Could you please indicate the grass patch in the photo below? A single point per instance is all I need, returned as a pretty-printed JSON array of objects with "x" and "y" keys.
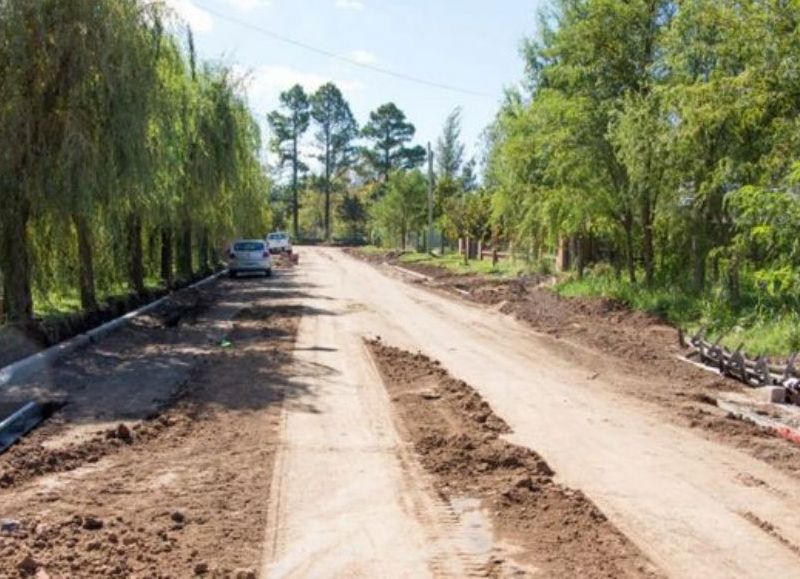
[
  {"x": 455, "y": 263},
  {"x": 774, "y": 331},
  {"x": 370, "y": 249},
  {"x": 56, "y": 305}
]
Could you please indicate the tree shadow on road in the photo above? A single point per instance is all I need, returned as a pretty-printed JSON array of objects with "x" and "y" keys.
[{"x": 237, "y": 355}]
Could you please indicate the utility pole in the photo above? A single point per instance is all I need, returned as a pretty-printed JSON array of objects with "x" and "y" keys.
[{"x": 429, "y": 244}]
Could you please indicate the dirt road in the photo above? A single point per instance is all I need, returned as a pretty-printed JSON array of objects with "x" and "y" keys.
[
  {"x": 299, "y": 448},
  {"x": 696, "y": 508}
]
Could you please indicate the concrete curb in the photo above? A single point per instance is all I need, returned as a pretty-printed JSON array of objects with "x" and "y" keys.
[
  {"x": 19, "y": 423},
  {"x": 27, "y": 367},
  {"x": 411, "y": 272},
  {"x": 777, "y": 428}
]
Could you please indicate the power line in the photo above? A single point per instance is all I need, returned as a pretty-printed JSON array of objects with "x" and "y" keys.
[{"x": 351, "y": 61}]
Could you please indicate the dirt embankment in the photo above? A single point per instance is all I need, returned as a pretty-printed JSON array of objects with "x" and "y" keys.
[
  {"x": 457, "y": 438},
  {"x": 643, "y": 346},
  {"x": 177, "y": 494}
]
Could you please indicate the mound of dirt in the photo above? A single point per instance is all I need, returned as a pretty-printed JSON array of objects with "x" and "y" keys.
[
  {"x": 29, "y": 458},
  {"x": 457, "y": 438}
]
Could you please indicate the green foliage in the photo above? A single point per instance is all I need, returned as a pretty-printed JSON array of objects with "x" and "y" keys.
[
  {"x": 455, "y": 263},
  {"x": 449, "y": 148},
  {"x": 467, "y": 215},
  {"x": 352, "y": 213},
  {"x": 389, "y": 132},
  {"x": 660, "y": 137},
  {"x": 402, "y": 210},
  {"x": 287, "y": 129},
  {"x": 113, "y": 138},
  {"x": 336, "y": 130}
]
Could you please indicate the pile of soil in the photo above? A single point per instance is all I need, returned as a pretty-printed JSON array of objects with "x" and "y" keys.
[
  {"x": 457, "y": 438},
  {"x": 177, "y": 494},
  {"x": 30, "y": 458}
]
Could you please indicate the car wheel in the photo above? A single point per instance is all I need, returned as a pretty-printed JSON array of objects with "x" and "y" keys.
[
  {"x": 268, "y": 272},
  {"x": 232, "y": 274}
]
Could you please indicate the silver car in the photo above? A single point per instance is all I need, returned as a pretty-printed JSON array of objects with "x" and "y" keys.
[{"x": 249, "y": 256}]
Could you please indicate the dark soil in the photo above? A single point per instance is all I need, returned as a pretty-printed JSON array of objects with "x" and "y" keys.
[{"x": 457, "y": 438}]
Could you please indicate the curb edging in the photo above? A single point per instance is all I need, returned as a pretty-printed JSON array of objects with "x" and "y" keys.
[{"x": 27, "y": 367}]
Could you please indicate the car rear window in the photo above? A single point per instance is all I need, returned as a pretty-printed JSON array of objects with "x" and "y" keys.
[
  {"x": 277, "y": 236},
  {"x": 248, "y": 246}
]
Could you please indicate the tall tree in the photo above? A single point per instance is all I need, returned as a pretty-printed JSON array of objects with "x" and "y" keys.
[
  {"x": 449, "y": 148},
  {"x": 580, "y": 73},
  {"x": 389, "y": 132},
  {"x": 288, "y": 128},
  {"x": 403, "y": 208},
  {"x": 107, "y": 142},
  {"x": 353, "y": 214},
  {"x": 336, "y": 131}
]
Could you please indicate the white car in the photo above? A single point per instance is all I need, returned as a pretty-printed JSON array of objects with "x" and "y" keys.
[
  {"x": 279, "y": 242},
  {"x": 249, "y": 256}
]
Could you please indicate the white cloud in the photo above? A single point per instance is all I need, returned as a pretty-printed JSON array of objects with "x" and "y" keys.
[
  {"x": 245, "y": 5},
  {"x": 265, "y": 82},
  {"x": 362, "y": 57},
  {"x": 194, "y": 16},
  {"x": 350, "y": 4}
]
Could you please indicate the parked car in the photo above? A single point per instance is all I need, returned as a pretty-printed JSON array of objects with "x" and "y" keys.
[
  {"x": 249, "y": 256},
  {"x": 279, "y": 242}
]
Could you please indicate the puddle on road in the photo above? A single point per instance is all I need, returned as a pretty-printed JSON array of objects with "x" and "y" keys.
[
  {"x": 475, "y": 527},
  {"x": 476, "y": 540}
]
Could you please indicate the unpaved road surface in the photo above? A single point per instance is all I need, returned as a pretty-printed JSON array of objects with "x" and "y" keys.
[
  {"x": 696, "y": 508},
  {"x": 461, "y": 443},
  {"x": 160, "y": 464}
]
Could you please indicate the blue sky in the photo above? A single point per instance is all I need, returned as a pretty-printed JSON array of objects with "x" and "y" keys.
[{"x": 471, "y": 44}]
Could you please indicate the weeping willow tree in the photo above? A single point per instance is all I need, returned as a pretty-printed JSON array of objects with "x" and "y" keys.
[{"x": 113, "y": 138}]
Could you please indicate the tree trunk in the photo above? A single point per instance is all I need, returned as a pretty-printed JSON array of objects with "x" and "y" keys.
[
  {"x": 295, "y": 204},
  {"x": 166, "y": 256},
  {"x": 328, "y": 211},
  {"x": 647, "y": 241},
  {"x": 85, "y": 262},
  {"x": 185, "y": 250},
  {"x": 563, "y": 254},
  {"x": 15, "y": 263},
  {"x": 580, "y": 255},
  {"x": 328, "y": 193},
  {"x": 733, "y": 282},
  {"x": 630, "y": 259},
  {"x": 698, "y": 261},
  {"x": 202, "y": 251},
  {"x": 135, "y": 255}
]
